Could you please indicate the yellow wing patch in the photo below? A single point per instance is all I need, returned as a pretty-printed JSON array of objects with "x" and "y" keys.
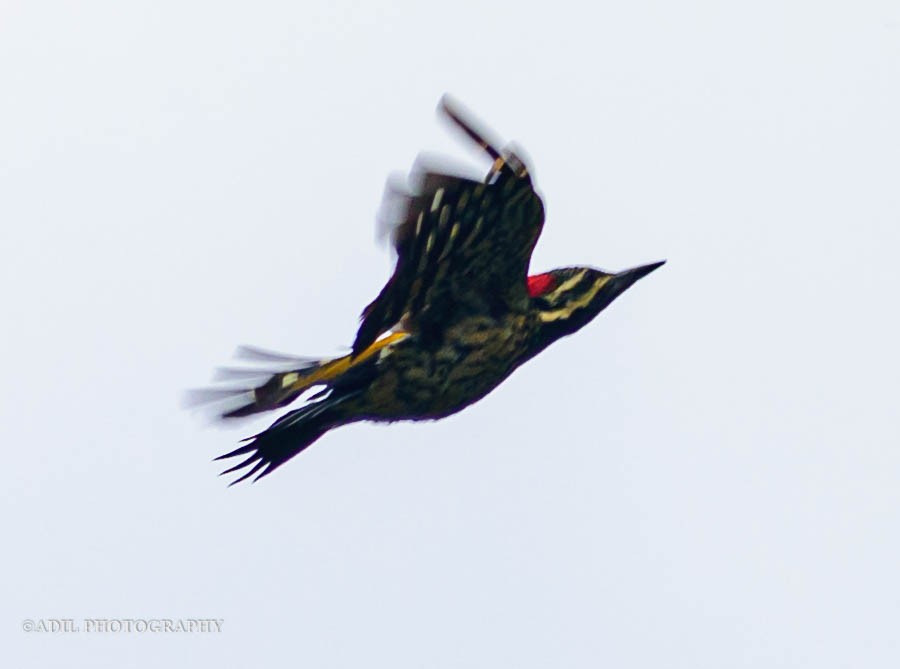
[{"x": 295, "y": 383}]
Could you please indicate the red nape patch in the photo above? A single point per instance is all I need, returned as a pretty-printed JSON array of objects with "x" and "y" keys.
[{"x": 540, "y": 284}]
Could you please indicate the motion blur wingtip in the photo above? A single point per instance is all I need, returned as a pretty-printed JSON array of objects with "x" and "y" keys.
[{"x": 462, "y": 120}]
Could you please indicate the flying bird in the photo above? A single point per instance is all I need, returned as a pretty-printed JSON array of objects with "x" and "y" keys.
[{"x": 459, "y": 314}]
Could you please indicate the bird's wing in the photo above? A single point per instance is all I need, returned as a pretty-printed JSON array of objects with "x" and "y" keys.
[
  {"x": 462, "y": 246},
  {"x": 264, "y": 389}
]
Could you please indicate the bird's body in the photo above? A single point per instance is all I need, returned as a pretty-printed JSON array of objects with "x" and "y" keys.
[{"x": 457, "y": 317}]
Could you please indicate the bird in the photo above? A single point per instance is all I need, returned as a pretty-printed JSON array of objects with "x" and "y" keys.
[{"x": 459, "y": 314}]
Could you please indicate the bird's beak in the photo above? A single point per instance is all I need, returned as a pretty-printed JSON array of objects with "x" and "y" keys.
[{"x": 622, "y": 281}]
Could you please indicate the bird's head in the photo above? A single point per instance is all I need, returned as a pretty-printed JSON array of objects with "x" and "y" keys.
[{"x": 565, "y": 300}]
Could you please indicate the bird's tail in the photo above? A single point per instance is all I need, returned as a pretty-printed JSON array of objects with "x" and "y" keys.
[
  {"x": 284, "y": 380},
  {"x": 286, "y": 437}
]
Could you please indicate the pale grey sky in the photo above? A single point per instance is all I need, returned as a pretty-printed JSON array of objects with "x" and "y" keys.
[{"x": 706, "y": 476}]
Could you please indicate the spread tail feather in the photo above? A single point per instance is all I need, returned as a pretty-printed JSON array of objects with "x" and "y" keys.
[{"x": 286, "y": 437}]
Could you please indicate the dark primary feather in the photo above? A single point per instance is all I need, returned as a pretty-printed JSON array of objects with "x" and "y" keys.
[{"x": 464, "y": 121}]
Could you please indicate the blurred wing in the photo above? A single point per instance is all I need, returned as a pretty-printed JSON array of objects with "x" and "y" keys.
[
  {"x": 462, "y": 245},
  {"x": 264, "y": 389}
]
